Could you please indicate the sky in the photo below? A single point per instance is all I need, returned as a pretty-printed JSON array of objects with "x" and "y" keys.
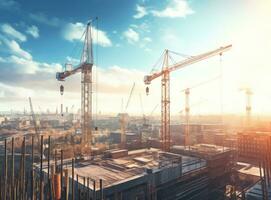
[{"x": 37, "y": 38}]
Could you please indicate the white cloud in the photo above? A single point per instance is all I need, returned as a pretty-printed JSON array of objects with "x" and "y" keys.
[
  {"x": 73, "y": 61},
  {"x": 114, "y": 83},
  {"x": 141, "y": 12},
  {"x": 27, "y": 78},
  {"x": 11, "y": 32},
  {"x": 142, "y": 28},
  {"x": 147, "y": 50},
  {"x": 147, "y": 39},
  {"x": 8, "y": 4},
  {"x": 176, "y": 8},
  {"x": 144, "y": 42},
  {"x": 37, "y": 80},
  {"x": 74, "y": 31},
  {"x": 171, "y": 40},
  {"x": 134, "y": 37},
  {"x": 131, "y": 35},
  {"x": 15, "y": 48},
  {"x": 33, "y": 30},
  {"x": 28, "y": 66},
  {"x": 44, "y": 19},
  {"x": 15, "y": 93}
]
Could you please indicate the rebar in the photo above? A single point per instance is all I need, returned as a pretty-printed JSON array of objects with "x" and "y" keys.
[
  {"x": 101, "y": 189},
  {"x": 48, "y": 164},
  {"x": 94, "y": 190},
  {"x": 56, "y": 169},
  {"x": 73, "y": 179},
  {"x": 23, "y": 170},
  {"x": 5, "y": 171},
  {"x": 32, "y": 169},
  {"x": 61, "y": 168},
  {"x": 12, "y": 167},
  {"x": 88, "y": 188},
  {"x": 41, "y": 174}
]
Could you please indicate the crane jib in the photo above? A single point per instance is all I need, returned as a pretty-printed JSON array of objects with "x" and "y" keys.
[{"x": 186, "y": 62}]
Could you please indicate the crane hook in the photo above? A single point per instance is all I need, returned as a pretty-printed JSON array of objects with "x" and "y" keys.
[
  {"x": 147, "y": 90},
  {"x": 61, "y": 89}
]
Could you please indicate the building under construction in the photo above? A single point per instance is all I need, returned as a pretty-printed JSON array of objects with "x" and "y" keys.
[
  {"x": 140, "y": 174},
  {"x": 148, "y": 174}
]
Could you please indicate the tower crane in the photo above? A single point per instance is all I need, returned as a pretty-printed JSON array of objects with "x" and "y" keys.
[
  {"x": 187, "y": 109},
  {"x": 123, "y": 119},
  {"x": 146, "y": 117},
  {"x": 34, "y": 119},
  {"x": 248, "y": 93},
  {"x": 72, "y": 109},
  {"x": 165, "y": 86},
  {"x": 85, "y": 67},
  {"x": 154, "y": 108},
  {"x": 142, "y": 111}
]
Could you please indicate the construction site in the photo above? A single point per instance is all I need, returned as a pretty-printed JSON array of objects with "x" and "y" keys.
[{"x": 70, "y": 155}]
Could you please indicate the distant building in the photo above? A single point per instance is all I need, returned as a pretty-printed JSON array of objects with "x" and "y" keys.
[
  {"x": 114, "y": 137},
  {"x": 198, "y": 133},
  {"x": 133, "y": 140},
  {"x": 252, "y": 145},
  {"x": 2, "y": 119}
]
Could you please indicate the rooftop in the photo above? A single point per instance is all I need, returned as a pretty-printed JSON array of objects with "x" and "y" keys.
[
  {"x": 248, "y": 169},
  {"x": 206, "y": 149},
  {"x": 114, "y": 171}
]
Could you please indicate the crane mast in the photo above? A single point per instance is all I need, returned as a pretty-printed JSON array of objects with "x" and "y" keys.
[
  {"x": 144, "y": 120},
  {"x": 123, "y": 119},
  {"x": 187, "y": 109},
  {"x": 165, "y": 87},
  {"x": 85, "y": 67},
  {"x": 187, "y": 118},
  {"x": 86, "y": 87},
  {"x": 248, "y": 93},
  {"x": 34, "y": 118},
  {"x": 165, "y": 105}
]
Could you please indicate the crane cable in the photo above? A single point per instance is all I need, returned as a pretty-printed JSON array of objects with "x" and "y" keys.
[
  {"x": 221, "y": 87},
  {"x": 130, "y": 96},
  {"x": 156, "y": 64},
  {"x": 96, "y": 85},
  {"x": 181, "y": 54},
  {"x": 159, "y": 61},
  {"x": 142, "y": 108},
  {"x": 76, "y": 47},
  {"x": 221, "y": 96}
]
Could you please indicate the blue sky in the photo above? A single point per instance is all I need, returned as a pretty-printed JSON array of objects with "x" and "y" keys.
[
  {"x": 38, "y": 37},
  {"x": 115, "y": 17}
]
